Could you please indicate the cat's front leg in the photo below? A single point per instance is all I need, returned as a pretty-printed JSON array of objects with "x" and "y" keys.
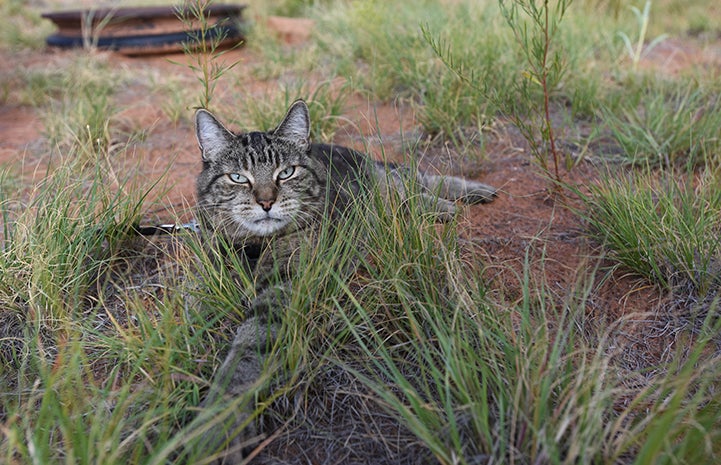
[
  {"x": 235, "y": 384},
  {"x": 239, "y": 377}
]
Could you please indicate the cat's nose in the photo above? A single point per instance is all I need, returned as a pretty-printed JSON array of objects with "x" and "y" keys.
[
  {"x": 266, "y": 205},
  {"x": 265, "y": 196}
]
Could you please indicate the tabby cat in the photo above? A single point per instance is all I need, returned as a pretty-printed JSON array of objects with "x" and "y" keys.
[{"x": 263, "y": 194}]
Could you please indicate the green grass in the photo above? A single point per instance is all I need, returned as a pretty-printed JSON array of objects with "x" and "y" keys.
[
  {"x": 325, "y": 102},
  {"x": 20, "y": 27},
  {"x": 398, "y": 60},
  {"x": 664, "y": 227},
  {"x": 471, "y": 377},
  {"x": 387, "y": 38},
  {"x": 521, "y": 384},
  {"x": 77, "y": 104},
  {"x": 399, "y": 349},
  {"x": 100, "y": 362},
  {"x": 666, "y": 123}
]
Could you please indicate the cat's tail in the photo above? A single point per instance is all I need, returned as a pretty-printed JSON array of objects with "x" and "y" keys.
[{"x": 457, "y": 189}]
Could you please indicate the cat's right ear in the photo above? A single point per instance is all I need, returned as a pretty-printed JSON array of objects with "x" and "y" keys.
[
  {"x": 213, "y": 137},
  {"x": 296, "y": 124}
]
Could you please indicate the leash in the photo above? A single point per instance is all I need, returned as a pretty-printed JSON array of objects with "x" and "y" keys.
[
  {"x": 168, "y": 228},
  {"x": 251, "y": 252}
]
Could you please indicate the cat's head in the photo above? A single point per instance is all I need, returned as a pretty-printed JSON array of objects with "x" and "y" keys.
[{"x": 258, "y": 184}]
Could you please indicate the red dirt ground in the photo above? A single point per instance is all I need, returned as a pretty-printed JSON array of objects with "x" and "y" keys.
[{"x": 525, "y": 214}]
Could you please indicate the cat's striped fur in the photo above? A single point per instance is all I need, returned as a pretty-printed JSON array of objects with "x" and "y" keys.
[{"x": 261, "y": 191}]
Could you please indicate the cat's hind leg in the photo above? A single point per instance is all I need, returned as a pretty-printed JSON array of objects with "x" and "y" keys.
[{"x": 454, "y": 188}]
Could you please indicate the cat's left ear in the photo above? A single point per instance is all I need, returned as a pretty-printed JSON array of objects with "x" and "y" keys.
[
  {"x": 296, "y": 124},
  {"x": 212, "y": 136}
]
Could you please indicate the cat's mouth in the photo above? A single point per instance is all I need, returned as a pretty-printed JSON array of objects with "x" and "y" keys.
[
  {"x": 269, "y": 220},
  {"x": 268, "y": 225}
]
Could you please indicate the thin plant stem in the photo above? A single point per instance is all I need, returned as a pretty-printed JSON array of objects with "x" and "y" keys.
[{"x": 546, "y": 104}]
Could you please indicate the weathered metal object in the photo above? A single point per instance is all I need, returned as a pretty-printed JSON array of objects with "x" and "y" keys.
[{"x": 146, "y": 30}]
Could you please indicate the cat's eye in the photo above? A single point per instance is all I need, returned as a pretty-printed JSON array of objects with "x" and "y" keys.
[
  {"x": 286, "y": 173},
  {"x": 238, "y": 178}
]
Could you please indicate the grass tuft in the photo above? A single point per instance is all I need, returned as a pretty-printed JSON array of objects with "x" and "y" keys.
[
  {"x": 662, "y": 226},
  {"x": 22, "y": 27}
]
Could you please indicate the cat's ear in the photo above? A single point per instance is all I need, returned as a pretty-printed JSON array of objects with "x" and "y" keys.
[
  {"x": 296, "y": 124},
  {"x": 212, "y": 136}
]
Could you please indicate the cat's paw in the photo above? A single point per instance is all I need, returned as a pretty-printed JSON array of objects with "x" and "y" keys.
[
  {"x": 477, "y": 192},
  {"x": 271, "y": 301}
]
